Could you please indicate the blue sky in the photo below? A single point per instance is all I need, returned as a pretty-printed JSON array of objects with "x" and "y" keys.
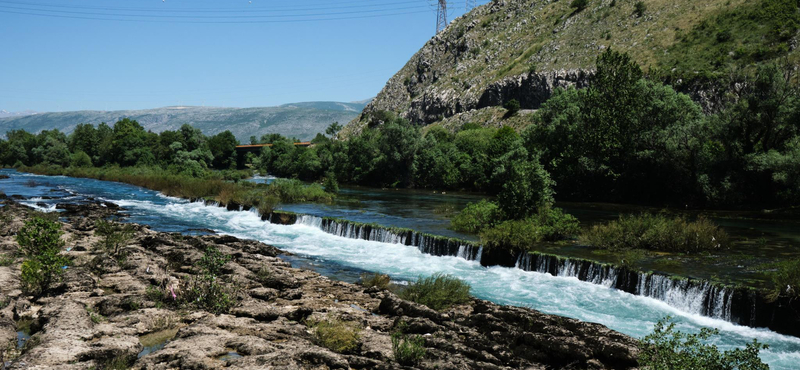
[{"x": 117, "y": 54}]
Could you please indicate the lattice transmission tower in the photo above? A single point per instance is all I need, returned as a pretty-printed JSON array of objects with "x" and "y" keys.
[
  {"x": 470, "y": 4},
  {"x": 441, "y": 16}
]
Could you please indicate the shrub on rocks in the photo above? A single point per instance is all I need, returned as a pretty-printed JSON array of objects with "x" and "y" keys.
[
  {"x": 408, "y": 350},
  {"x": 438, "y": 292},
  {"x": 377, "y": 280},
  {"x": 206, "y": 290},
  {"x": 336, "y": 335},
  {"x": 40, "y": 242}
]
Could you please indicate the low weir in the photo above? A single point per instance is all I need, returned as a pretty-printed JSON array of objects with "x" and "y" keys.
[{"x": 738, "y": 305}]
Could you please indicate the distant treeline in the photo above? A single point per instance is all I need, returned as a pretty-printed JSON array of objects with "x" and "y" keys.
[
  {"x": 186, "y": 151},
  {"x": 623, "y": 139}
]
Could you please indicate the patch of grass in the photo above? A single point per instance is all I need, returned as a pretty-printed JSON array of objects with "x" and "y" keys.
[
  {"x": 338, "y": 336},
  {"x": 118, "y": 363},
  {"x": 94, "y": 316},
  {"x": 380, "y": 281},
  {"x": 752, "y": 32},
  {"x": 408, "y": 350},
  {"x": 6, "y": 260},
  {"x": 438, "y": 291},
  {"x": 656, "y": 233}
]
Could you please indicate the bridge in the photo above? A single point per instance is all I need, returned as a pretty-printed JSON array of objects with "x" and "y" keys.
[{"x": 256, "y": 148}]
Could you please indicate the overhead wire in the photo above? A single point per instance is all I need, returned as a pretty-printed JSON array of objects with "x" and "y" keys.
[{"x": 369, "y": 4}]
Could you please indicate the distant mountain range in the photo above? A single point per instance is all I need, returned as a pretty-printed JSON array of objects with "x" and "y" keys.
[
  {"x": 5, "y": 113},
  {"x": 300, "y": 120}
]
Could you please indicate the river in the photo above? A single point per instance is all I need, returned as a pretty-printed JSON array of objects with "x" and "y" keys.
[{"x": 345, "y": 259}]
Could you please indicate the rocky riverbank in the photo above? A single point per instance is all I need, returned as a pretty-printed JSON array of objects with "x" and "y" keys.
[{"x": 111, "y": 313}]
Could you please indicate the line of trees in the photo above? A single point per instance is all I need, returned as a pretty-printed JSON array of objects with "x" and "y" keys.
[
  {"x": 185, "y": 151},
  {"x": 623, "y": 139}
]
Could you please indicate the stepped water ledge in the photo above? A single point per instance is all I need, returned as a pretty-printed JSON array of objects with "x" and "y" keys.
[{"x": 735, "y": 304}]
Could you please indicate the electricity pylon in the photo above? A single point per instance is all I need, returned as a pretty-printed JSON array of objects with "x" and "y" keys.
[
  {"x": 470, "y": 4},
  {"x": 441, "y": 16}
]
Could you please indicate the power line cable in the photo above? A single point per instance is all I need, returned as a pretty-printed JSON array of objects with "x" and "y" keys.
[
  {"x": 207, "y": 16},
  {"x": 211, "y": 22}
]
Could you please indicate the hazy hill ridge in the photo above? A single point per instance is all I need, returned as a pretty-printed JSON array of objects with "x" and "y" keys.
[
  {"x": 301, "y": 120},
  {"x": 523, "y": 49}
]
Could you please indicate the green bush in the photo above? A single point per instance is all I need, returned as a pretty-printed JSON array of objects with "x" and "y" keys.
[
  {"x": 512, "y": 107},
  {"x": 330, "y": 184},
  {"x": 408, "y": 350},
  {"x": 40, "y": 242},
  {"x": 338, "y": 336},
  {"x": 80, "y": 159},
  {"x": 438, "y": 291},
  {"x": 657, "y": 233},
  {"x": 578, "y": 5},
  {"x": 206, "y": 290},
  {"x": 667, "y": 349},
  {"x": 113, "y": 237},
  {"x": 785, "y": 280},
  {"x": 293, "y": 191},
  {"x": 477, "y": 216},
  {"x": 549, "y": 224},
  {"x": 639, "y": 8},
  {"x": 380, "y": 281}
]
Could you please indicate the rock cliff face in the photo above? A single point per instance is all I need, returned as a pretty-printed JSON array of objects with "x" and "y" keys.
[
  {"x": 106, "y": 313},
  {"x": 481, "y": 60}
]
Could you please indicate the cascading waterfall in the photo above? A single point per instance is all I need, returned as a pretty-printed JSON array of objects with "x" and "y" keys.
[
  {"x": 428, "y": 244},
  {"x": 693, "y": 296}
]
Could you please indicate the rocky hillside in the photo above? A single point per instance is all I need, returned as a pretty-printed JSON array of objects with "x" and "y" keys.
[
  {"x": 112, "y": 313},
  {"x": 300, "y": 120},
  {"x": 522, "y": 49}
]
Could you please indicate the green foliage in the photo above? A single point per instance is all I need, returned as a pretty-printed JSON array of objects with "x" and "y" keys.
[
  {"x": 785, "y": 280},
  {"x": 114, "y": 237},
  {"x": 668, "y": 349},
  {"x": 520, "y": 235},
  {"x": 6, "y": 260},
  {"x": 657, "y": 233},
  {"x": 40, "y": 243},
  {"x": 80, "y": 159},
  {"x": 477, "y": 216},
  {"x": 206, "y": 290},
  {"x": 338, "y": 336},
  {"x": 578, "y": 5},
  {"x": 512, "y": 106},
  {"x": 526, "y": 185},
  {"x": 333, "y": 129},
  {"x": 639, "y": 8},
  {"x": 753, "y": 32},
  {"x": 380, "y": 281},
  {"x": 408, "y": 350},
  {"x": 330, "y": 184},
  {"x": 438, "y": 292}
]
